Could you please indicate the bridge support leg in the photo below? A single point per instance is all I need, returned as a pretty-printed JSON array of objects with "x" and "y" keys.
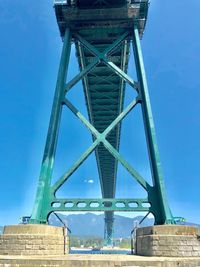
[
  {"x": 40, "y": 210},
  {"x": 158, "y": 196},
  {"x": 108, "y": 234}
]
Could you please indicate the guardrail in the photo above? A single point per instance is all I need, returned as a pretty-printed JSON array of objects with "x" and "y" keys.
[
  {"x": 133, "y": 233},
  {"x": 67, "y": 231}
]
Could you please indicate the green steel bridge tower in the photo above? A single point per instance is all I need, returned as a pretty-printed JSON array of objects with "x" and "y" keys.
[{"x": 103, "y": 32}]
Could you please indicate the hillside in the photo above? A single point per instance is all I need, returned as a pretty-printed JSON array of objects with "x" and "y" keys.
[{"x": 90, "y": 224}]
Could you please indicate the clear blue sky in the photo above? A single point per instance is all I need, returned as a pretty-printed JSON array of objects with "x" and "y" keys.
[{"x": 30, "y": 48}]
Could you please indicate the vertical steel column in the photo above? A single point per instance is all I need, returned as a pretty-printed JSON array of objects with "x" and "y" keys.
[
  {"x": 108, "y": 233},
  {"x": 158, "y": 196},
  {"x": 39, "y": 214}
]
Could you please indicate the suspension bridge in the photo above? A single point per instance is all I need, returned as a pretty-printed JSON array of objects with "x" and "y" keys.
[{"x": 103, "y": 32}]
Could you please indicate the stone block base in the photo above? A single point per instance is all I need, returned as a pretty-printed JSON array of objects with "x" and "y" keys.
[
  {"x": 168, "y": 241},
  {"x": 33, "y": 239}
]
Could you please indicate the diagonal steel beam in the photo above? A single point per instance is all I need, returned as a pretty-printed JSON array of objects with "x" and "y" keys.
[
  {"x": 115, "y": 44},
  {"x": 120, "y": 117},
  {"x": 101, "y": 56},
  {"x": 127, "y": 166},
  {"x": 104, "y": 54},
  {"x": 91, "y": 48},
  {"x": 79, "y": 76},
  {"x": 107, "y": 51},
  {"x": 121, "y": 73},
  {"x": 108, "y": 146},
  {"x": 99, "y": 79},
  {"x": 75, "y": 166},
  {"x": 78, "y": 114}
]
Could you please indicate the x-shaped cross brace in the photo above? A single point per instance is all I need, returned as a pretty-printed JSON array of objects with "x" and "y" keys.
[
  {"x": 101, "y": 57},
  {"x": 101, "y": 137}
]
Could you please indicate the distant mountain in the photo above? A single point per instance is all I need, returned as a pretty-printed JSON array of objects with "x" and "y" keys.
[{"x": 90, "y": 224}]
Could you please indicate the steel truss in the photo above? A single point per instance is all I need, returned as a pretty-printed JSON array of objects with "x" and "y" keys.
[{"x": 46, "y": 201}]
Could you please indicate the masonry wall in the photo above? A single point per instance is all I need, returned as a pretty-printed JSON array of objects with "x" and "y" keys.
[
  {"x": 168, "y": 240},
  {"x": 33, "y": 240}
]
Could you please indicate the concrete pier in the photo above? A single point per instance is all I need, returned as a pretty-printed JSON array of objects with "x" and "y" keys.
[
  {"x": 33, "y": 239},
  {"x": 43, "y": 246},
  {"x": 168, "y": 240}
]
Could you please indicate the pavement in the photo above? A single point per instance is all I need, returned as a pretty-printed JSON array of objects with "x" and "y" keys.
[{"x": 87, "y": 260}]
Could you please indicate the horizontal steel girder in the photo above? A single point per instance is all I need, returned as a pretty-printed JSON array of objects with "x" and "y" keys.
[
  {"x": 115, "y": 16},
  {"x": 104, "y": 204}
]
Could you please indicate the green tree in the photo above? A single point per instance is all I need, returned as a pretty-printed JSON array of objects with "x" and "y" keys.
[
  {"x": 75, "y": 241},
  {"x": 125, "y": 243}
]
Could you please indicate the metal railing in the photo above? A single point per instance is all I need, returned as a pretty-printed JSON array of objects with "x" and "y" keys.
[
  {"x": 25, "y": 219},
  {"x": 133, "y": 234},
  {"x": 67, "y": 231}
]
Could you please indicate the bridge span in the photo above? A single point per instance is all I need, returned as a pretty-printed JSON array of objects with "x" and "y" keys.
[{"x": 104, "y": 32}]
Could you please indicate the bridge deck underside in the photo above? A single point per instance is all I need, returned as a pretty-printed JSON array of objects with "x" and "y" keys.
[
  {"x": 104, "y": 94},
  {"x": 101, "y": 23}
]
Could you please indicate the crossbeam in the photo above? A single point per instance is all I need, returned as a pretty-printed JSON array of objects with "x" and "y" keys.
[{"x": 102, "y": 204}]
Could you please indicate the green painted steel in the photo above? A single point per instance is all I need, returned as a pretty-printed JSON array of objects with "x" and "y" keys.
[
  {"x": 103, "y": 32},
  {"x": 39, "y": 214},
  {"x": 103, "y": 204},
  {"x": 109, "y": 230},
  {"x": 162, "y": 214}
]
